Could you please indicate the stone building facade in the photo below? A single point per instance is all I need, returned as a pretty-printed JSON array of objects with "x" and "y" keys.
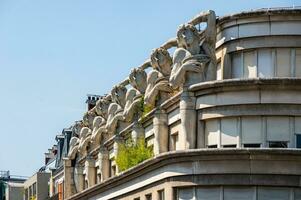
[{"x": 220, "y": 109}]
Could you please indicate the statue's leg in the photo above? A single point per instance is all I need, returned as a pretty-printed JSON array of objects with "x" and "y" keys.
[
  {"x": 187, "y": 138},
  {"x": 160, "y": 132}
]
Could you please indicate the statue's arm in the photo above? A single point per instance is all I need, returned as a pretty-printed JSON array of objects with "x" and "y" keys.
[
  {"x": 150, "y": 96},
  {"x": 177, "y": 72},
  {"x": 206, "y": 16}
]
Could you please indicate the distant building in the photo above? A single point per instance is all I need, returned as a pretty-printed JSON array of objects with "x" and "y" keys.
[
  {"x": 56, "y": 183},
  {"x": 91, "y": 100},
  {"x": 36, "y": 187},
  {"x": 11, "y": 187}
]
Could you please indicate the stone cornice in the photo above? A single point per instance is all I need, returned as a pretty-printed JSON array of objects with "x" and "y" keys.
[
  {"x": 259, "y": 13},
  {"x": 251, "y": 83}
]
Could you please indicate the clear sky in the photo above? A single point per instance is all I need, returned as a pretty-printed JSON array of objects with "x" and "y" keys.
[{"x": 54, "y": 52}]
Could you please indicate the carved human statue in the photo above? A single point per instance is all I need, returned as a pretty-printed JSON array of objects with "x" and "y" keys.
[
  {"x": 133, "y": 99},
  {"x": 85, "y": 138},
  {"x": 102, "y": 106},
  {"x": 99, "y": 130},
  {"x": 194, "y": 60},
  {"x": 115, "y": 114},
  {"x": 88, "y": 118},
  {"x": 73, "y": 149},
  {"x": 116, "y": 108},
  {"x": 137, "y": 79},
  {"x": 157, "y": 81},
  {"x": 118, "y": 94}
]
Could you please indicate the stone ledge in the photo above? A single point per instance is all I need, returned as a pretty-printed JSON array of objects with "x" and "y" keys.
[
  {"x": 236, "y": 84},
  {"x": 194, "y": 158}
]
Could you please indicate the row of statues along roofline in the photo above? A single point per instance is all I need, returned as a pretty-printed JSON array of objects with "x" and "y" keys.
[{"x": 193, "y": 61}]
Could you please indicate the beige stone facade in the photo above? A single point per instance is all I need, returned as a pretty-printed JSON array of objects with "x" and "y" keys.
[{"x": 222, "y": 115}]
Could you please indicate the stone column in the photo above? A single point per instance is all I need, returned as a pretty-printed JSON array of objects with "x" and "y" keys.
[
  {"x": 80, "y": 178},
  {"x": 104, "y": 163},
  {"x": 160, "y": 127},
  {"x": 137, "y": 132},
  {"x": 90, "y": 171},
  {"x": 117, "y": 141},
  {"x": 187, "y": 138},
  {"x": 69, "y": 187}
]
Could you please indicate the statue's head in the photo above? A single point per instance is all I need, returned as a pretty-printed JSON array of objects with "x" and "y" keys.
[
  {"x": 131, "y": 94},
  {"x": 102, "y": 105},
  {"x": 161, "y": 61},
  {"x": 137, "y": 79},
  {"x": 187, "y": 35},
  {"x": 98, "y": 121},
  {"x": 113, "y": 108},
  {"x": 118, "y": 95},
  {"x": 76, "y": 128},
  {"x": 88, "y": 118},
  {"x": 84, "y": 132}
]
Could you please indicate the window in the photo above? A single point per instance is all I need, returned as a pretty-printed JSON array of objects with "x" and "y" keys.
[
  {"x": 229, "y": 131},
  {"x": 26, "y": 194},
  {"x": 185, "y": 193},
  {"x": 98, "y": 177},
  {"x": 174, "y": 130},
  {"x": 283, "y": 62},
  {"x": 298, "y": 63},
  {"x": 239, "y": 193},
  {"x": 174, "y": 141},
  {"x": 161, "y": 195},
  {"x": 113, "y": 170},
  {"x": 148, "y": 197},
  {"x": 252, "y": 145},
  {"x": 236, "y": 65},
  {"x": 34, "y": 189},
  {"x": 61, "y": 191},
  {"x": 86, "y": 184},
  {"x": 298, "y": 141},
  {"x": 251, "y": 131},
  {"x": 278, "y": 129},
  {"x": 273, "y": 193},
  {"x": 265, "y": 63},
  {"x": 219, "y": 71},
  {"x": 229, "y": 146},
  {"x": 249, "y": 68},
  {"x": 212, "y": 133},
  {"x": 279, "y": 144}
]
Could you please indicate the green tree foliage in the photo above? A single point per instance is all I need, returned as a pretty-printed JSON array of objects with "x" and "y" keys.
[{"x": 131, "y": 154}]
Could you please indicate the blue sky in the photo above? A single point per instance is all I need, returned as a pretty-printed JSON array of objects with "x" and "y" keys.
[{"x": 54, "y": 52}]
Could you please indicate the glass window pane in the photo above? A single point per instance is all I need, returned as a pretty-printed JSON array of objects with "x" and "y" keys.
[
  {"x": 278, "y": 128},
  {"x": 219, "y": 71},
  {"x": 250, "y": 70},
  {"x": 212, "y": 132},
  {"x": 239, "y": 193},
  {"x": 298, "y": 63},
  {"x": 186, "y": 194},
  {"x": 265, "y": 64},
  {"x": 273, "y": 193},
  {"x": 229, "y": 131},
  {"x": 251, "y": 130},
  {"x": 236, "y": 65},
  {"x": 209, "y": 193},
  {"x": 283, "y": 62},
  {"x": 297, "y": 194},
  {"x": 298, "y": 141}
]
